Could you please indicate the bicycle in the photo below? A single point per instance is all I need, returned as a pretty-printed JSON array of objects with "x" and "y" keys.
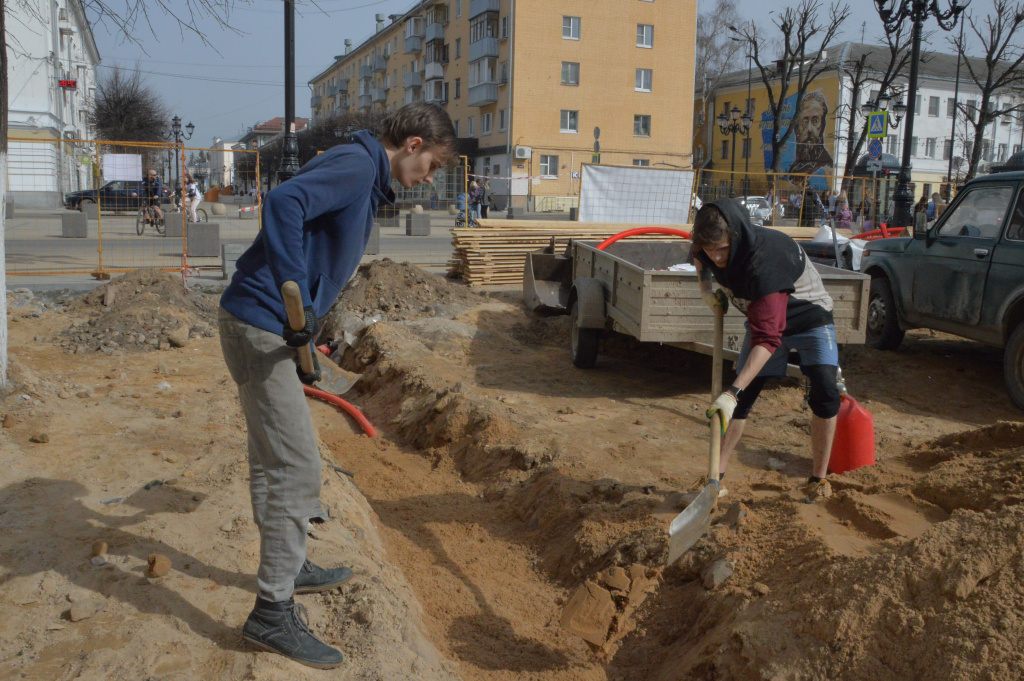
[
  {"x": 147, "y": 216},
  {"x": 201, "y": 215}
]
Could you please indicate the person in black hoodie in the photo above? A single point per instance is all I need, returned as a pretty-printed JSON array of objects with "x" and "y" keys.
[{"x": 768, "y": 278}]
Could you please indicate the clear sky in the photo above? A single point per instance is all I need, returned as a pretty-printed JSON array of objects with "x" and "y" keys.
[{"x": 238, "y": 81}]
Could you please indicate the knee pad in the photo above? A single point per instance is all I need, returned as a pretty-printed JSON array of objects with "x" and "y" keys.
[
  {"x": 824, "y": 395},
  {"x": 747, "y": 398}
]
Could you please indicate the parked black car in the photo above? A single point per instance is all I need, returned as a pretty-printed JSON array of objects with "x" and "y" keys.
[
  {"x": 963, "y": 275},
  {"x": 115, "y": 195}
]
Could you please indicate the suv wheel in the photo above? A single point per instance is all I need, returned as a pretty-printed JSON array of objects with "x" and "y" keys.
[
  {"x": 1013, "y": 366},
  {"x": 883, "y": 331}
]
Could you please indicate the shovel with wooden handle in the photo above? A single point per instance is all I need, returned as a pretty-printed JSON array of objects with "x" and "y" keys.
[
  {"x": 693, "y": 522},
  {"x": 333, "y": 379}
]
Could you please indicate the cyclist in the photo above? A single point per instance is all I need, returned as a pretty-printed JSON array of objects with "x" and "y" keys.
[
  {"x": 152, "y": 189},
  {"x": 192, "y": 197}
]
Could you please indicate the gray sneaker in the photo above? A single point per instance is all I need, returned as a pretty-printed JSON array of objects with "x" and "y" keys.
[
  {"x": 283, "y": 628},
  {"x": 313, "y": 578}
]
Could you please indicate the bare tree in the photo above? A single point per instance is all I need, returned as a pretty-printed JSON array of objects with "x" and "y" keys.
[
  {"x": 999, "y": 71},
  {"x": 716, "y": 51},
  {"x": 804, "y": 40},
  {"x": 125, "y": 109},
  {"x": 189, "y": 15},
  {"x": 866, "y": 71}
]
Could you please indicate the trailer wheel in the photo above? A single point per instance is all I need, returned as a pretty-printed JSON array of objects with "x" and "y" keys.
[
  {"x": 1013, "y": 365},
  {"x": 583, "y": 343}
]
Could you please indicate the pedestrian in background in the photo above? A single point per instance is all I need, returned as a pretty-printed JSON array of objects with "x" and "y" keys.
[{"x": 485, "y": 197}]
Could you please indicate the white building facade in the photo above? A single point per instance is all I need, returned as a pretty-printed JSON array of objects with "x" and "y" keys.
[{"x": 52, "y": 59}]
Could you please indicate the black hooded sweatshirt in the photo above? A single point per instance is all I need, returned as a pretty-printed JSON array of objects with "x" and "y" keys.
[{"x": 765, "y": 261}]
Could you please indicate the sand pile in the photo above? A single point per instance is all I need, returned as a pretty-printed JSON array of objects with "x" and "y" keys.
[{"x": 143, "y": 310}]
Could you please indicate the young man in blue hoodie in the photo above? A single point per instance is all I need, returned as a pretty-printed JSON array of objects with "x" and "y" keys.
[{"x": 315, "y": 229}]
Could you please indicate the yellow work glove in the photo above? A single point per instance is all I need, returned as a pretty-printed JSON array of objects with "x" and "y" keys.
[
  {"x": 716, "y": 299},
  {"x": 725, "y": 405}
]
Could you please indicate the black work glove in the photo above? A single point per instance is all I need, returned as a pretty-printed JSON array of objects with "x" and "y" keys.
[
  {"x": 296, "y": 339},
  {"x": 313, "y": 376}
]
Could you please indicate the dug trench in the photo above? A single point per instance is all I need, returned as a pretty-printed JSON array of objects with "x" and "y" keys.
[{"x": 527, "y": 503}]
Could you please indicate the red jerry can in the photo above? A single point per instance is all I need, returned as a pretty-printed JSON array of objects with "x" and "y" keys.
[{"x": 854, "y": 443}]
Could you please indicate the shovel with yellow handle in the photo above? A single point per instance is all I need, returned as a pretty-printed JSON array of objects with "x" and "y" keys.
[
  {"x": 693, "y": 522},
  {"x": 333, "y": 379}
]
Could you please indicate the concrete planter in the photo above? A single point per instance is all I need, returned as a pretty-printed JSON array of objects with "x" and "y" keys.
[
  {"x": 417, "y": 224},
  {"x": 74, "y": 225}
]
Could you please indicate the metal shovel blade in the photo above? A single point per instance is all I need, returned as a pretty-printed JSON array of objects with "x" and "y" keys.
[
  {"x": 692, "y": 523},
  {"x": 334, "y": 379}
]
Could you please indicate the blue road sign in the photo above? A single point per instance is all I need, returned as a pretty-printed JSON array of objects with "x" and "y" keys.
[
  {"x": 875, "y": 148},
  {"x": 878, "y": 124}
]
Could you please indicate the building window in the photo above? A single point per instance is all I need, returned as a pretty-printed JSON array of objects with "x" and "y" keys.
[
  {"x": 950, "y": 107},
  {"x": 570, "y": 28},
  {"x": 504, "y": 27},
  {"x": 485, "y": 123},
  {"x": 642, "y": 162},
  {"x": 892, "y": 145},
  {"x": 746, "y": 147},
  {"x": 549, "y": 165},
  {"x": 458, "y": 8},
  {"x": 504, "y": 73},
  {"x": 933, "y": 106},
  {"x": 913, "y": 147},
  {"x": 1003, "y": 148},
  {"x": 643, "y": 79},
  {"x": 917, "y": 104},
  {"x": 644, "y": 35},
  {"x": 929, "y": 147},
  {"x": 570, "y": 73},
  {"x": 725, "y": 149},
  {"x": 986, "y": 150},
  {"x": 947, "y": 149},
  {"x": 482, "y": 71},
  {"x": 502, "y": 115},
  {"x": 455, "y": 124},
  {"x": 570, "y": 121},
  {"x": 458, "y": 88},
  {"x": 642, "y": 126},
  {"x": 484, "y": 26},
  {"x": 469, "y": 126},
  {"x": 458, "y": 47}
]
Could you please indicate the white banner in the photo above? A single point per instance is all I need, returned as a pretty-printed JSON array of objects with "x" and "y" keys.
[
  {"x": 122, "y": 167},
  {"x": 635, "y": 194}
]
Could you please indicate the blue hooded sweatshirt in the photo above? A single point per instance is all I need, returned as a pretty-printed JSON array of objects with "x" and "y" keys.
[{"x": 315, "y": 229}]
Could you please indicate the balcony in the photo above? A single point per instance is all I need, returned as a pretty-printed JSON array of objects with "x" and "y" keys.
[
  {"x": 485, "y": 47},
  {"x": 411, "y": 96},
  {"x": 434, "y": 32},
  {"x": 483, "y": 94},
  {"x": 412, "y": 80},
  {"x": 332, "y": 90},
  {"x": 342, "y": 86},
  {"x": 434, "y": 69},
  {"x": 413, "y": 44},
  {"x": 379, "y": 95},
  {"x": 315, "y": 101},
  {"x": 365, "y": 72},
  {"x": 365, "y": 101},
  {"x": 478, "y": 7},
  {"x": 380, "y": 65}
]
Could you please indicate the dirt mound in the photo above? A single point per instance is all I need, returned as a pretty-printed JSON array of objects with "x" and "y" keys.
[
  {"x": 392, "y": 291},
  {"x": 143, "y": 310}
]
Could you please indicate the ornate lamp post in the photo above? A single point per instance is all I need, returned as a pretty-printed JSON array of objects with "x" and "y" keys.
[
  {"x": 882, "y": 104},
  {"x": 733, "y": 123},
  {"x": 290, "y": 147},
  {"x": 175, "y": 133},
  {"x": 894, "y": 13}
]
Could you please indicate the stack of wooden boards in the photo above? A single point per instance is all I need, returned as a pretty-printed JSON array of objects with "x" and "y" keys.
[{"x": 495, "y": 252}]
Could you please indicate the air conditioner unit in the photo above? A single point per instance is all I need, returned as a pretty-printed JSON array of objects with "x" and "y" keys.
[{"x": 522, "y": 152}]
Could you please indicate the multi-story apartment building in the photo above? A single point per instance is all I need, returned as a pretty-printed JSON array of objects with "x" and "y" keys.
[
  {"x": 529, "y": 84},
  {"x": 935, "y": 141},
  {"x": 51, "y": 83}
]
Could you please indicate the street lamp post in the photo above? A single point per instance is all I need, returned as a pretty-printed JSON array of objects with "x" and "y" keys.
[
  {"x": 175, "y": 133},
  {"x": 290, "y": 147},
  {"x": 746, "y": 107},
  {"x": 881, "y": 103},
  {"x": 895, "y": 13},
  {"x": 732, "y": 123}
]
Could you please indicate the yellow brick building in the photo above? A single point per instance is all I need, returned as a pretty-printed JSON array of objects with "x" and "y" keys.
[{"x": 527, "y": 82}]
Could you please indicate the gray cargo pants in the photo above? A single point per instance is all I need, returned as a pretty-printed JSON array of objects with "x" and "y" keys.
[{"x": 284, "y": 460}]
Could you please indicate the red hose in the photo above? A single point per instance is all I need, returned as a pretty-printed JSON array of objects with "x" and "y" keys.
[
  {"x": 325, "y": 350},
  {"x": 641, "y": 230},
  {"x": 338, "y": 402}
]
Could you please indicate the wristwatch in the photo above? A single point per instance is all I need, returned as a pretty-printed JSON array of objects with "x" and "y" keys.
[{"x": 734, "y": 391}]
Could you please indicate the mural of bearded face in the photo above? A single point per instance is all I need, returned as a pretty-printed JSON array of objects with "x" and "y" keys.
[{"x": 811, "y": 154}]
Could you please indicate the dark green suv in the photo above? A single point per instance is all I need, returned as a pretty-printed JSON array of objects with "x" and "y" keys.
[{"x": 964, "y": 275}]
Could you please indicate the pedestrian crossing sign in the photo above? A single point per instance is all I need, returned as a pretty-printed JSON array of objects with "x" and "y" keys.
[{"x": 878, "y": 123}]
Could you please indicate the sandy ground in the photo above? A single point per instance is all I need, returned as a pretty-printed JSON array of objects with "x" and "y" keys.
[{"x": 505, "y": 483}]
